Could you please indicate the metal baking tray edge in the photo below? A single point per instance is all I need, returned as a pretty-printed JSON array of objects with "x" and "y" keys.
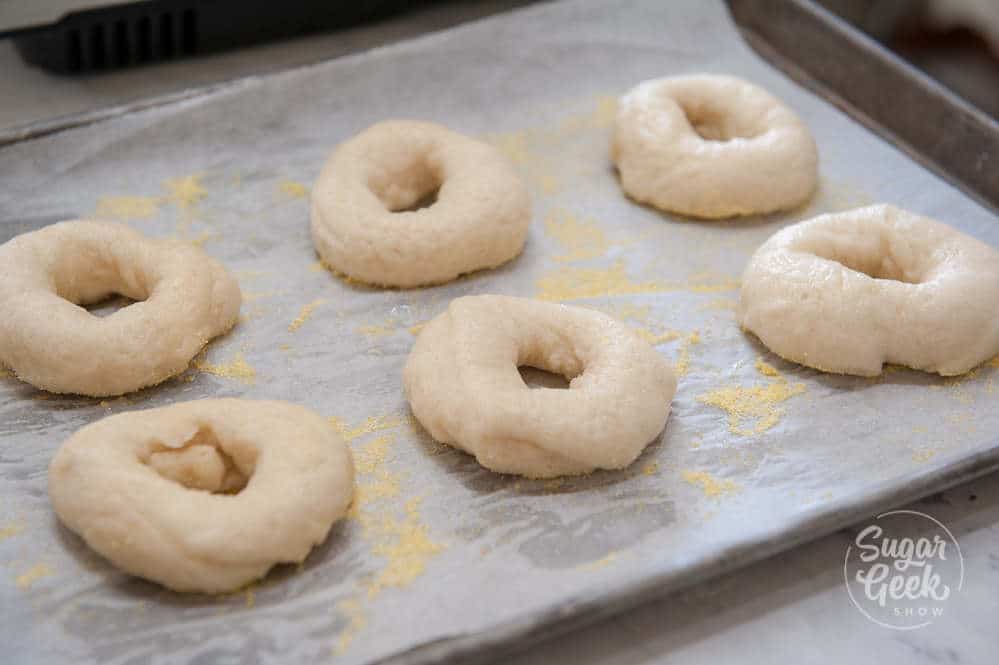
[{"x": 844, "y": 66}]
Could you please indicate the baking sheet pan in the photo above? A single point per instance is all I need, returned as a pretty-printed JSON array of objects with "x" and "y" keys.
[{"x": 441, "y": 558}]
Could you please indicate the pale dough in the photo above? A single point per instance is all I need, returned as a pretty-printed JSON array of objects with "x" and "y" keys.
[
  {"x": 361, "y": 226},
  {"x": 712, "y": 146},
  {"x": 146, "y": 489},
  {"x": 463, "y": 384},
  {"x": 50, "y": 341},
  {"x": 847, "y": 292}
]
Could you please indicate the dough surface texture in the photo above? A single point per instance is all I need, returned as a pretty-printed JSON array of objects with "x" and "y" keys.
[
  {"x": 712, "y": 146},
  {"x": 463, "y": 385},
  {"x": 184, "y": 299},
  {"x": 206, "y": 495},
  {"x": 847, "y": 292},
  {"x": 364, "y": 224}
]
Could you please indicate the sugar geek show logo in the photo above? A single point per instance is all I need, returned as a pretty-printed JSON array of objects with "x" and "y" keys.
[{"x": 902, "y": 569}]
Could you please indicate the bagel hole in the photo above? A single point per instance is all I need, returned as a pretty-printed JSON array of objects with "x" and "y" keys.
[
  {"x": 105, "y": 307},
  {"x": 714, "y": 124},
  {"x": 413, "y": 187},
  {"x": 534, "y": 377},
  {"x": 879, "y": 266},
  {"x": 199, "y": 464}
]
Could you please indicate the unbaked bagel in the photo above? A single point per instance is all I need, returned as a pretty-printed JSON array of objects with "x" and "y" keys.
[
  {"x": 463, "y": 384},
  {"x": 850, "y": 291},
  {"x": 362, "y": 224},
  {"x": 50, "y": 341},
  {"x": 205, "y": 495},
  {"x": 712, "y": 146}
]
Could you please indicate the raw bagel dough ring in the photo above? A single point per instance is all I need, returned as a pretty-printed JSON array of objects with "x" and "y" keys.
[
  {"x": 118, "y": 484},
  {"x": 479, "y": 220},
  {"x": 712, "y": 146},
  {"x": 186, "y": 298},
  {"x": 462, "y": 383},
  {"x": 847, "y": 292}
]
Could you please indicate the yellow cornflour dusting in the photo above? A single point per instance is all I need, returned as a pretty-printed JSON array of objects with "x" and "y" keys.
[
  {"x": 651, "y": 468},
  {"x": 602, "y": 562},
  {"x": 581, "y": 238},
  {"x": 405, "y": 546},
  {"x": 710, "y": 485},
  {"x": 250, "y": 296},
  {"x": 369, "y": 458},
  {"x": 203, "y": 237},
  {"x": 547, "y": 182},
  {"x": 304, "y": 314},
  {"x": 627, "y": 312},
  {"x": 573, "y": 283},
  {"x": 127, "y": 207},
  {"x": 393, "y": 530},
  {"x": 10, "y": 530},
  {"x": 606, "y": 111},
  {"x": 372, "y": 424},
  {"x": 682, "y": 365},
  {"x": 32, "y": 575},
  {"x": 924, "y": 455},
  {"x": 656, "y": 338},
  {"x": 753, "y": 403},
  {"x": 415, "y": 329},
  {"x": 570, "y": 283},
  {"x": 185, "y": 192},
  {"x": 721, "y": 303},
  {"x": 357, "y": 621},
  {"x": 709, "y": 282},
  {"x": 292, "y": 189},
  {"x": 237, "y": 368},
  {"x": 765, "y": 368},
  {"x": 378, "y": 330},
  {"x": 512, "y": 144}
]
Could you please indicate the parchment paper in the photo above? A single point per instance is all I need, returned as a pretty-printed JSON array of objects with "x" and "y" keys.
[{"x": 758, "y": 454}]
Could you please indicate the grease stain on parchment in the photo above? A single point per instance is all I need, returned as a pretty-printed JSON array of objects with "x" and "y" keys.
[{"x": 754, "y": 409}]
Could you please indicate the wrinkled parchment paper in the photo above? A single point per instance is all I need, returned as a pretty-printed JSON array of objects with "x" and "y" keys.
[{"x": 758, "y": 453}]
